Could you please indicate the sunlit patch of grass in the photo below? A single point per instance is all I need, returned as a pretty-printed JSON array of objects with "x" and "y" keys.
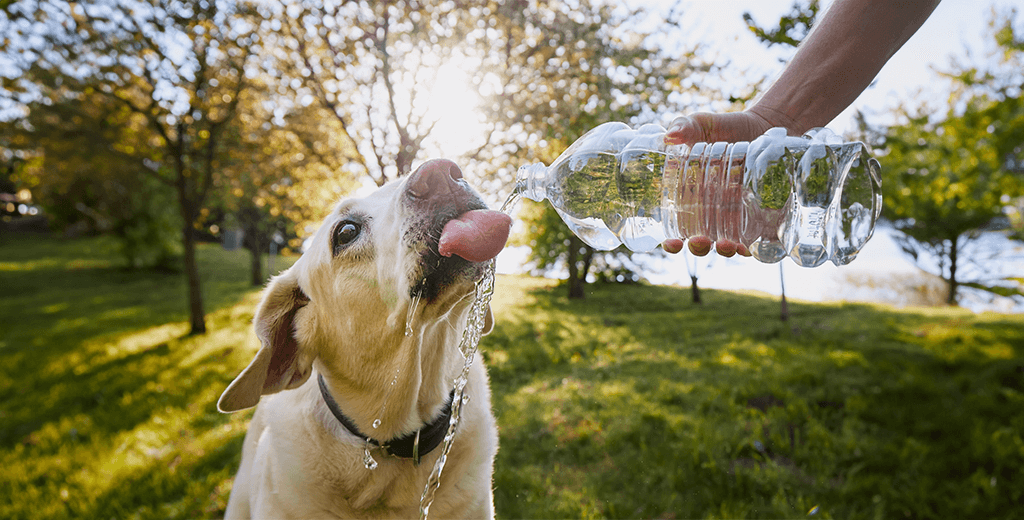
[
  {"x": 664, "y": 408},
  {"x": 633, "y": 403},
  {"x": 108, "y": 407}
]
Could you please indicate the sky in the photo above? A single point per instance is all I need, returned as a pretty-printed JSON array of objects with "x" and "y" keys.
[{"x": 955, "y": 25}]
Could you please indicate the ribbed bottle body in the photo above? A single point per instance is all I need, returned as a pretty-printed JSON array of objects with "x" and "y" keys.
[{"x": 812, "y": 198}]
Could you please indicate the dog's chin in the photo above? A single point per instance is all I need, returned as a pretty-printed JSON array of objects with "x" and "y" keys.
[{"x": 440, "y": 277}]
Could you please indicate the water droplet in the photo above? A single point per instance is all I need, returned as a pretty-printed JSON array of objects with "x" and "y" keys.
[
  {"x": 368, "y": 461},
  {"x": 411, "y": 315},
  {"x": 813, "y": 511},
  {"x": 387, "y": 396}
]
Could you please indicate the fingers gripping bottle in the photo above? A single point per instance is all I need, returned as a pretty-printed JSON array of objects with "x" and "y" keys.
[{"x": 812, "y": 198}]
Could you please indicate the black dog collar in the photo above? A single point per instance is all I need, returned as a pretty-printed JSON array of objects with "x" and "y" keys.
[{"x": 412, "y": 446}]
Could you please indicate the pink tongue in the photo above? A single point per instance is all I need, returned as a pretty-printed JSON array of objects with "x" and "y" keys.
[{"x": 477, "y": 235}]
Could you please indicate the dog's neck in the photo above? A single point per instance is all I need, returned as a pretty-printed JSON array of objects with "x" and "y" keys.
[{"x": 402, "y": 381}]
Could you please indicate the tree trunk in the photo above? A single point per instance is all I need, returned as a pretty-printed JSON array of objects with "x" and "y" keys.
[
  {"x": 189, "y": 211},
  {"x": 197, "y": 317},
  {"x": 256, "y": 264},
  {"x": 784, "y": 310},
  {"x": 575, "y": 280},
  {"x": 953, "y": 252},
  {"x": 579, "y": 267},
  {"x": 694, "y": 290}
]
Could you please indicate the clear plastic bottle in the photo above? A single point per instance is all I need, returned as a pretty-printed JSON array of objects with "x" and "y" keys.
[{"x": 812, "y": 198}]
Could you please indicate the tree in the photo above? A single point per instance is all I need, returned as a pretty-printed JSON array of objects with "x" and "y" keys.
[
  {"x": 176, "y": 66},
  {"x": 68, "y": 145},
  {"x": 370, "y": 65},
  {"x": 947, "y": 185},
  {"x": 956, "y": 178},
  {"x": 792, "y": 28},
  {"x": 550, "y": 74},
  {"x": 275, "y": 177}
]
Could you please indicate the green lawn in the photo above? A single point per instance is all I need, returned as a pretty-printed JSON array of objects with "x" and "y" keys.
[{"x": 633, "y": 403}]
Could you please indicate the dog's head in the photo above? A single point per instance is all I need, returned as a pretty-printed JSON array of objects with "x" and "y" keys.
[{"x": 420, "y": 242}]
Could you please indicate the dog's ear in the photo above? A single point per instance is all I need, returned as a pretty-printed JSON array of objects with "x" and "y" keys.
[{"x": 281, "y": 363}]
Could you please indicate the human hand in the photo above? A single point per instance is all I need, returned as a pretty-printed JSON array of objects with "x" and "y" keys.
[{"x": 704, "y": 127}]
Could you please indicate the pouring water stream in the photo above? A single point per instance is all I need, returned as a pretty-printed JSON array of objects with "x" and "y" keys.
[{"x": 468, "y": 346}]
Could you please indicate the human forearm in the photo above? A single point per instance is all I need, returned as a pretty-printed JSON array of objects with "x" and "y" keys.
[{"x": 839, "y": 59}]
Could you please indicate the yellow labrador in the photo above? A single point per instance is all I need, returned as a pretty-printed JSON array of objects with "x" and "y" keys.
[{"x": 359, "y": 341}]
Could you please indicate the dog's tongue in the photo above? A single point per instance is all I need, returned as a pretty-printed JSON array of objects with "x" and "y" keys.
[{"x": 477, "y": 235}]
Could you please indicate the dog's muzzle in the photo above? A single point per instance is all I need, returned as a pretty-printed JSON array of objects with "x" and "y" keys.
[{"x": 454, "y": 224}]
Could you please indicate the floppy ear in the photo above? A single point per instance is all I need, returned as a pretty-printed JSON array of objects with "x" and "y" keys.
[{"x": 280, "y": 364}]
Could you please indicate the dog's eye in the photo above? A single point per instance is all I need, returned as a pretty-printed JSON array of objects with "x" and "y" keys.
[{"x": 344, "y": 234}]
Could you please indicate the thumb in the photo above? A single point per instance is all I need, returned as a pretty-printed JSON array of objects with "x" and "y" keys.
[{"x": 689, "y": 129}]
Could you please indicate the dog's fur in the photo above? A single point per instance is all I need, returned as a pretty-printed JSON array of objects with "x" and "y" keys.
[{"x": 341, "y": 311}]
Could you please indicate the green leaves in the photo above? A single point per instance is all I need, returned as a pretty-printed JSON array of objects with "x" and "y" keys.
[{"x": 792, "y": 28}]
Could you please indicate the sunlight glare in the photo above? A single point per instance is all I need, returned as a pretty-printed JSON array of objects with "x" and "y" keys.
[{"x": 453, "y": 104}]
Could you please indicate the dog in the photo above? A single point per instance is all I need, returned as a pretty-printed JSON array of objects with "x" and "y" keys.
[{"x": 359, "y": 356}]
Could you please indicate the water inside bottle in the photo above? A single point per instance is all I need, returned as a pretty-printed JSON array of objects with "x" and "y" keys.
[
  {"x": 810, "y": 198},
  {"x": 640, "y": 175},
  {"x": 583, "y": 192},
  {"x": 607, "y": 199},
  {"x": 860, "y": 203}
]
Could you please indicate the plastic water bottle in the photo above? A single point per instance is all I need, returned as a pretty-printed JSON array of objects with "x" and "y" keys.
[{"x": 812, "y": 198}]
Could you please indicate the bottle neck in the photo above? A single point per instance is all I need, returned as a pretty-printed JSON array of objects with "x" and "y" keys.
[{"x": 531, "y": 181}]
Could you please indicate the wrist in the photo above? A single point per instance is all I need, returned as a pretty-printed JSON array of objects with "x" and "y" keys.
[{"x": 772, "y": 117}]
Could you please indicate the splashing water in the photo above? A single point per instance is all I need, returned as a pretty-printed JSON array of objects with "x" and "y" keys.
[
  {"x": 412, "y": 314},
  {"x": 468, "y": 346},
  {"x": 368, "y": 461}
]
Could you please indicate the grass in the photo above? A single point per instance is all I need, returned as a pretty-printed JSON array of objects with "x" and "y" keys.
[
  {"x": 107, "y": 407},
  {"x": 633, "y": 403}
]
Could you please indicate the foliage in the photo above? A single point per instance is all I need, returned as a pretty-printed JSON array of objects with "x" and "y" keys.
[
  {"x": 76, "y": 165},
  {"x": 174, "y": 68},
  {"x": 274, "y": 179},
  {"x": 150, "y": 233},
  {"x": 555, "y": 73},
  {"x": 792, "y": 28},
  {"x": 372, "y": 67},
  {"x": 951, "y": 180},
  {"x": 633, "y": 403}
]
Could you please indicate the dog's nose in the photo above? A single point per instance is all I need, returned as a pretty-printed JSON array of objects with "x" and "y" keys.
[{"x": 434, "y": 178}]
